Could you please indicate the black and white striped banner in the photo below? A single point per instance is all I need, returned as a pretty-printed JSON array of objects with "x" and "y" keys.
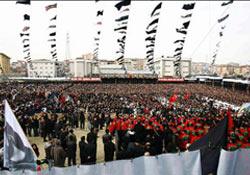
[
  {"x": 221, "y": 21},
  {"x": 151, "y": 31},
  {"x": 51, "y": 10},
  {"x": 98, "y": 27},
  {"x": 187, "y": 7},
  {"x": 123, "y": 8}
]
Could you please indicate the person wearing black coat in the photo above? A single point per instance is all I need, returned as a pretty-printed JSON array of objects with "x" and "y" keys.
[
  {"x": 71, "y": 150},
  {"x": 91, "y": 153},
  {"x": 82, "y": 147},
  {"x": 109, "y": 150}
]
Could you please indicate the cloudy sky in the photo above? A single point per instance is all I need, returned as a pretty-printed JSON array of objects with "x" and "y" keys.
[{"x": 78, "y": 19}]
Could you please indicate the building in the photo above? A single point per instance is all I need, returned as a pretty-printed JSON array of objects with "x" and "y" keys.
[
  {"x": 4, "y": 64},
  {"x": 232, "y": 69},
  {"x": 200, "y": 68},
  {"x": 80, "y": 67},
  {"x": 19, "y": 69},
  {"x": 42, "y": 68},
  {"x": 245, "y": 70},
  {"x": 164, "y": 67}
]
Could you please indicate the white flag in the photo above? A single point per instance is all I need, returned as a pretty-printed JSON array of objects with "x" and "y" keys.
[{"x": 18, "y": 153}]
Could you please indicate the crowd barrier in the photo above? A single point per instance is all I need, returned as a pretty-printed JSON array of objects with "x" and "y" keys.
[{"x": 186, "y": 163}]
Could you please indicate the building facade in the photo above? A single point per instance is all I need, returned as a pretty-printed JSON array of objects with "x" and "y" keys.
[
  {"x": 164, "y": 67},
  {"x": 42, "y": 68},
  {"x": 199, "y": 68},
  {"x": 19, "y": 69},
  {"x": 4, "y": 64},
  {"x": 81, "y": 67}
]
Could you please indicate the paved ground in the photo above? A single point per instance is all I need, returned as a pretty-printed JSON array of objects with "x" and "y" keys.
[{"x": 78, "y": 133}]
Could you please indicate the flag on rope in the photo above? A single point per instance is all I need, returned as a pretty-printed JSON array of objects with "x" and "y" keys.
[
  {"x": 223, "y": 18},
  {"x": 26, "y": 17},
  {"x": 226, "y": 3},
  {"x": 26, "y": 28},
  {"x": 122, "y": 3},
  {"x": 18, "y": 153},
  {"x": 188, "y": 6},
  {"x": 48, "y": 7},
  {"x": 24, "y": 2}
]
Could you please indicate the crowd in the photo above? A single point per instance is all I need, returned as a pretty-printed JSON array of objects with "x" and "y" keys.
[{"x": 149, "y": 119}]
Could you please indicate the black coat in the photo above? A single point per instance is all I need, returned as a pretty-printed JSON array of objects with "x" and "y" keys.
[
  {"x": 91, "y": 153},
  {"x": 109, "y": 150},
  {"x": 83, "y": 154}
]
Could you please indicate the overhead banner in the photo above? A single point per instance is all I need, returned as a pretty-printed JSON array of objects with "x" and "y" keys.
[
  {"x": 151, "y": 31},
  {"x": 123, "y": 8},
  {"x": 222, "y": 25},
  {"x": 186, "y": 17}
]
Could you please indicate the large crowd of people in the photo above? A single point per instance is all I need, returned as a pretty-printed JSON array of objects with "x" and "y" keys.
[{"x": 138, "y": 119}]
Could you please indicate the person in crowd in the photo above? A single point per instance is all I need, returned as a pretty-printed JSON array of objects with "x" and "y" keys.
[
  {"x": 36, "y": 150},
  {"x": 58, "y": 154},
  {"x": 82, "y": 147},
  {"x": 109, "y": 150}
]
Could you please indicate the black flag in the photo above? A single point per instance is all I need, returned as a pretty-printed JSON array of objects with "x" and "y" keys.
[
  {"x": 188, "y": 6},
  {"x": 121, "y": 28},
  {"x": 24, "y": 40},
  {"x": 179, "y": 41},
  {"x": 52, "y": 26},
  {"x": 99, "y": 12},
  {"x": 53, "y": 45},
  {"x": 155, "y": 21},
  {"x": 187, "y": 16},
  {"x": 151, "y": 31},
  {"x": 150, "y": 51},
  {"x": 185, "y": 25},
  {"x": 179, "y": 53},
  {"x": 223, "y": 18},
  {"x": 226, "y": 3},
  {"x": 26, "y": 45},
  {"x": 24, "y": 34},
  {"x": 149, "y": 38},
  {"x": 122, "y": 3},
  {"x": 52, "y": 39},
  {"x": 26, "y": 17},
  {"x": 178, "y": 49},
  {"x": 54, "y": 18},
  {"x": 181, "y": 31},
  {"x": 25, "y": 2},
  {"x": 26, "y": 50},
  {"x": 52, "y": 34},
  {"x": 156, "y": 8},
  {"x": 210, "y": 146},
  {"x": 122, "y": 18},
  {"x": 150, "y": 45}
]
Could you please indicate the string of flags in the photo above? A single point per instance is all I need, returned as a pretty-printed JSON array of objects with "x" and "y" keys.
[
  {"x": 123, "y": 8},
  {"x": 52, "y": 30},
  {"x": 188, "y": 7},
  {"x": 151, "y": 31},
  {"x": 98, "y": 26},
  {"x": 25, "y": 34},
  {"x": 221, "y": 21}
]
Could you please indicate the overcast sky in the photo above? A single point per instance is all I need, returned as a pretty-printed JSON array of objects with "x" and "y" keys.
[{"x": 78, "y": 18}]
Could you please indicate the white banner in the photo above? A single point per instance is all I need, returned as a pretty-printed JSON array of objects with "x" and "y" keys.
[
  {"x": 234, "y": 162},
  {"x": 186, "y": 163}
]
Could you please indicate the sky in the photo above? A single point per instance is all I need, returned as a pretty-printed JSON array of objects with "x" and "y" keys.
[{"x": 78, "y": 19}]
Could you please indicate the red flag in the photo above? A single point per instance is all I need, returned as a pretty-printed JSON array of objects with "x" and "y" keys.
[{"x": 230, "y": 124}]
